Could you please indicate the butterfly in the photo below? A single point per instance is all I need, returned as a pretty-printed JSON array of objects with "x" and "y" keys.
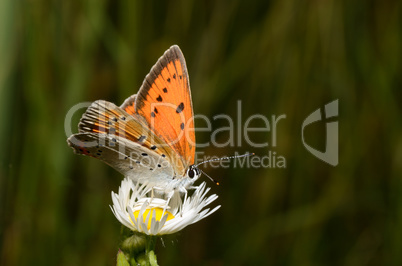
[{"x": 150, "y": 137}]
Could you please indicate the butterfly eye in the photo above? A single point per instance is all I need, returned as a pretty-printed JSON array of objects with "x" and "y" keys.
[{"x": 193, "y": 172}]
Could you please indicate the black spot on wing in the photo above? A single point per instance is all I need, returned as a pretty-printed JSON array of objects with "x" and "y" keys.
[
  {"x": 180, "y": 108},
  {"x": 159, "y": 99},
  {"x": 142, "y": 138}
]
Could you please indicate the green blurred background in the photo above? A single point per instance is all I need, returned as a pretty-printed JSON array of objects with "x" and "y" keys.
[{"x": 276, "y": 57}]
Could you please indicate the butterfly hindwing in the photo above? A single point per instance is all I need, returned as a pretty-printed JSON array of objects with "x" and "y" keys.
[
  {"x": 129, "y": 158},
  {"x": 164, "y": 100},
  {"x": 107, "y": 119},
  {"x": 129, "y": 104}
]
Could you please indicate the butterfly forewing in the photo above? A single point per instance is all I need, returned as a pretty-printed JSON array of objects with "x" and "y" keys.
[{"x": 164, "y": 100}]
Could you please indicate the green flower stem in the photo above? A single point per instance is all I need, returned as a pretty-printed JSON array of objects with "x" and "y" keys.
[
  {"x": 150, "y": 250},
  {"x": 136, "y": 249}
]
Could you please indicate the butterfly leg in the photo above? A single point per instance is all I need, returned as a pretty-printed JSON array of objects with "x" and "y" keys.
[
  {"x": 160, "y": 192},
  {"x": 169, "y": 197},
  {"x": 152, "y": 194},
  {"x": 184, "y": 191}
]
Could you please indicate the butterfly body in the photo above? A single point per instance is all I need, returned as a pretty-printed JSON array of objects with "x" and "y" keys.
[{"x": 150, "y": 137}]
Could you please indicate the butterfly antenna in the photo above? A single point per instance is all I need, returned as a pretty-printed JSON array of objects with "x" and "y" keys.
[
  {"x": 220, "y": 159},
  {"x": 227, "y": 157},
  {"x": 210, "y": 178}
]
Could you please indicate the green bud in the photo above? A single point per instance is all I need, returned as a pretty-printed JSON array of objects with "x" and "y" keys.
[
  {"x": 134, "y": 244},
  {"x": 136, "y": 249}
]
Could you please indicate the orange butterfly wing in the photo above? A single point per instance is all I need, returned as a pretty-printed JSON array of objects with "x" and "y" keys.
[{"x": 164, "y": 100}]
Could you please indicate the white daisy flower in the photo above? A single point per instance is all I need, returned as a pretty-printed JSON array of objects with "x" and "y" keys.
[{"x": 155, "y": 216}]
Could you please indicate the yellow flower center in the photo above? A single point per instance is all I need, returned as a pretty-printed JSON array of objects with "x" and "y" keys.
[{"x": 158, "y": 215}]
